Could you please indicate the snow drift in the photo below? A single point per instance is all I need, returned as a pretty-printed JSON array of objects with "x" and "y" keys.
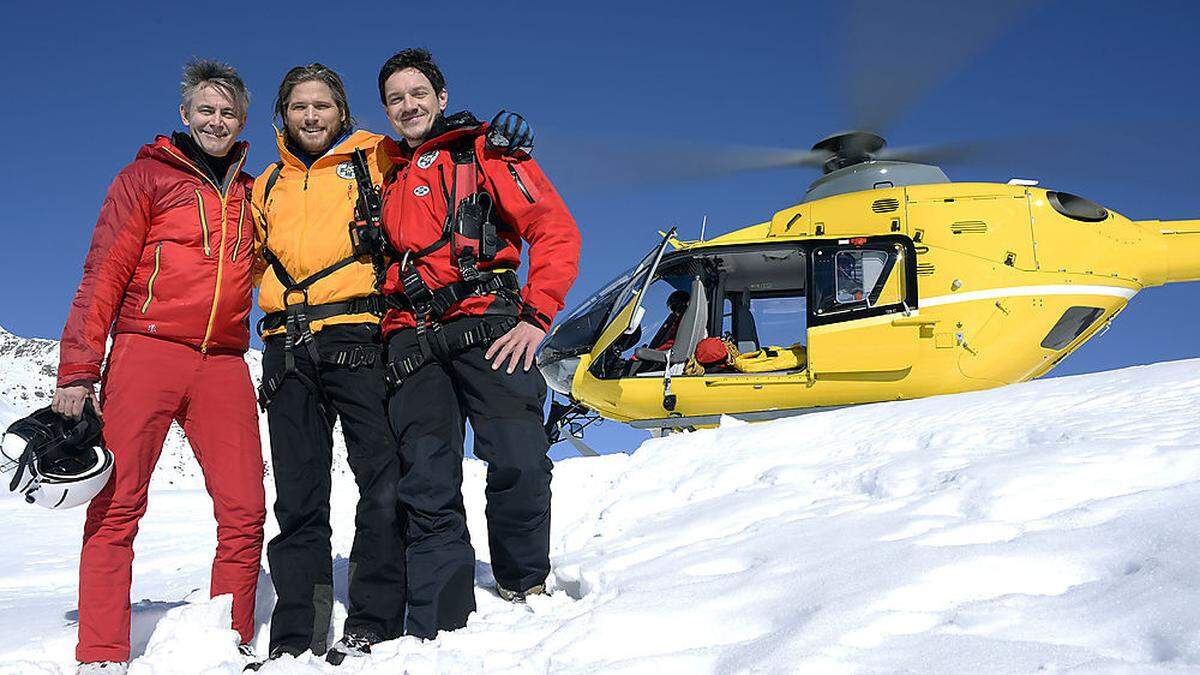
[{"x": 1049, "y": 526}]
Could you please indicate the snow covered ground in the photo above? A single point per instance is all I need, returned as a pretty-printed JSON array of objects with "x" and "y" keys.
[{"x": 1052, "y": 527}]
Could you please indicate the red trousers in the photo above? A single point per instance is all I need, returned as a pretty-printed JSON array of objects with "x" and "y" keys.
[{"x": 148, "y": 383}]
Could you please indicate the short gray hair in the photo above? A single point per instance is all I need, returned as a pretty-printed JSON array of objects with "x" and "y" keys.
[{"x": 200, "y": 73}]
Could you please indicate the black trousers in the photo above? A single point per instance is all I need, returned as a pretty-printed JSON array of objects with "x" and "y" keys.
[
  {"x": 302, "y": 455},
  {"x": 427, "y": 412}
]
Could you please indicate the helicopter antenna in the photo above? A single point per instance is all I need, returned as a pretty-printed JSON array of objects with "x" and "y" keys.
[{"x": 703, "y": 225}]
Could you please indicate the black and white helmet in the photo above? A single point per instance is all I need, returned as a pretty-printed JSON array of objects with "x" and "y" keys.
[{"x": 56, "y": 462}]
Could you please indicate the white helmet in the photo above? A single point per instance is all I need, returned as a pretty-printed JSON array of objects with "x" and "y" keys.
[{"x": 57, "y": 463}]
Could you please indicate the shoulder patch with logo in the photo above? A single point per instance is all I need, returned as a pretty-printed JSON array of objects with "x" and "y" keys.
[
  {"x": 421, "y": 190},
  {"x": 346, "y": 170},
  {"x": 426, "y": 160}
]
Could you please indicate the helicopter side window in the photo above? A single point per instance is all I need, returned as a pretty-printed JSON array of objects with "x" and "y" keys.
[
  {"x": 858, "y": 278},
  {"x": 758, "y": 320},
  {"x": 857, "y": 273}
]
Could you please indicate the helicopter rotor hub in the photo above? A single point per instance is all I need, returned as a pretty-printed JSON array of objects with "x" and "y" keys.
[{"x": 849, "y": 148}]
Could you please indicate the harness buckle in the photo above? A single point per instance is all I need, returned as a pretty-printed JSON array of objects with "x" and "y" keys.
[
  {"x": 296, "y": 325},
  {"x": 466, "y": 267}
]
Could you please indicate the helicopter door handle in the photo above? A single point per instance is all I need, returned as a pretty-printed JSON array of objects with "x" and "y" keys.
[{"x": 914, "y": 321}]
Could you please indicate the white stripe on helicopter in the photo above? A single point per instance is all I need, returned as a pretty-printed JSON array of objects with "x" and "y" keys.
[{"x": 1020, "y": 291}]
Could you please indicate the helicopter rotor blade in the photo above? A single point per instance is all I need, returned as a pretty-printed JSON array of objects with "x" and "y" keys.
[
  {"x": 649, "y": 162},
  {"x": 937, "y": 153},
  {"x": 1116, "y": 147},
  {"x": 895, "y": 53},
  {"x": 1120, "y": 149}
]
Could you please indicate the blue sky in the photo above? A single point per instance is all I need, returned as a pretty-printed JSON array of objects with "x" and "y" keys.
[{"x": 1116, "y": 79}]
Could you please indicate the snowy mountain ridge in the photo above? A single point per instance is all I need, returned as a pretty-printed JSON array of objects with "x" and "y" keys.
[{"x": 1052, "y": 526}]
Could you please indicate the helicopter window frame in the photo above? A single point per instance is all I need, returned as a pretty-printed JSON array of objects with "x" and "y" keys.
[
  {"x": 823, "y": 309},
  {"x": 635, "y": 319}
]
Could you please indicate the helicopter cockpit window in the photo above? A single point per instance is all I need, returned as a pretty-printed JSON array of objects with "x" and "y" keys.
[{"x": 577, "y": 334}]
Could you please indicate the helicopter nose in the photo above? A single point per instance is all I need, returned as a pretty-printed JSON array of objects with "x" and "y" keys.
[{"x": 560, "y": 373}]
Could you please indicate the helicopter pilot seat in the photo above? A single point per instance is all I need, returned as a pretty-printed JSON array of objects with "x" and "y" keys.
[{"x": 692, "y": 329}]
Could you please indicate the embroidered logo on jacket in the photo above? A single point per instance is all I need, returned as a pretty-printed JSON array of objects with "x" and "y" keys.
[
  {"x": 346, "y": 170},
  {"x": 421, "y": 190},
  {"x": 426, "y": 160}
]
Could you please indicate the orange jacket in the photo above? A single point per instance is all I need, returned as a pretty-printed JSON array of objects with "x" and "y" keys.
[
  {"x": 170, "y": 258},
  {"x": 305, "y": 222}
]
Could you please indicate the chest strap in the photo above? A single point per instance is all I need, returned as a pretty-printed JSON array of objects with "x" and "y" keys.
[{"x": 296, "y": 320}]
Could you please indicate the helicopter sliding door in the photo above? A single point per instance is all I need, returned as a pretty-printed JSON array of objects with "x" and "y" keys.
[{"x": 862, "y": 296}]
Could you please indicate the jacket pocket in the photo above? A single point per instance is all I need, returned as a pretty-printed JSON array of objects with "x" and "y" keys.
[
  {"x": 527, "y": 188},
  {"x": 203, "y": 223},
  {"x": 153, "y": 278}
]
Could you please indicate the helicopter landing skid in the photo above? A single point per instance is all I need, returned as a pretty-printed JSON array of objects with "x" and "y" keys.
[
  {"x": 662, "y": 424},
  {"x": 567, "y": 421}
]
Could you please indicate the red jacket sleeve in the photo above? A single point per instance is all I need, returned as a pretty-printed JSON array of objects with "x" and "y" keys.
[
  {"x": 117, "y": 244},
  {"x": 527, "y": 200}
]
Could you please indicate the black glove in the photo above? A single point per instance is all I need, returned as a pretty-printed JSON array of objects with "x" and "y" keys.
[{"x": 508, "y": 133}]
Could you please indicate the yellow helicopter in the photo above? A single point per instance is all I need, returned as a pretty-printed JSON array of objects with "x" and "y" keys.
[{"x": 887, "y": 282}]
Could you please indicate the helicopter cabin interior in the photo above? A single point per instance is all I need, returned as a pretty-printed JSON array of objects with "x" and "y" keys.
[{"x": 763, "y": 299}]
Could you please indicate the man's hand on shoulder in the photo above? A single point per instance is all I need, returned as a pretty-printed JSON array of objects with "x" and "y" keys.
[
  {"x": 509, "y": 133},
  {"x": 516, "y": 346}
]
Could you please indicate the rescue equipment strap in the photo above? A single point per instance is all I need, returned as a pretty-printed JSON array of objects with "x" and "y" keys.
[
  {"x": 355, "y": 357},
  {"x": 290, "y": 284},
  {"x": 371, "y": 304},
  {"x": 472, "y": 236},
  {"x": 296, "y": 320},
  {"x": 271, "y": 180},
  {"x": 481, "y": 334},
  {"x": 434, "y": 303}
]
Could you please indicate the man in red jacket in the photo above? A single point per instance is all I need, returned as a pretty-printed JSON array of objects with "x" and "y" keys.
[
  {"x": 169, "y": 275},
  {"x": 462, "y": 337}
]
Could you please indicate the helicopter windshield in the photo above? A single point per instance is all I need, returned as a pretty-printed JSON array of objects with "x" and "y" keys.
[{"x": 579, "y": 332}]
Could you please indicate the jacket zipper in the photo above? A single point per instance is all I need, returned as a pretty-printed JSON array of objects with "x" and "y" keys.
[
  {"x": 517, "y": 177},
  {"x": 203, "y": 222},
  {"x": 212, "y": 315},
  {"x": 153, "y": 276},
  {"x": 237, "y": 244}
]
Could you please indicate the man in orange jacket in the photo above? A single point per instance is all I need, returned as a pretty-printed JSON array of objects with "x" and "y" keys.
[
  {"x": 462, "y": 337},
  {"x": 323, "y": 362},
  {"x": 169, "y": 273}
]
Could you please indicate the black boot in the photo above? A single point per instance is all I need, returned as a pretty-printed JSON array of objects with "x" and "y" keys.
[{"x": 354, "y": 646}]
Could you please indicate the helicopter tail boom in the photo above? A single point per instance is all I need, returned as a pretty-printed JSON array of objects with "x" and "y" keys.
[{"x": 1180, "y": 258}]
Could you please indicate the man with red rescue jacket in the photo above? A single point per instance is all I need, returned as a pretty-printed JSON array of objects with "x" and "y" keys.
[
  {"x": 169, "y": 274},
  {"x": 461, "y": 338}
]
